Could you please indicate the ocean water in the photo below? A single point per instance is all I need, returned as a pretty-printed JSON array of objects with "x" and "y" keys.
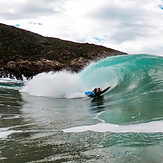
[{"x": 49, "y": 118}]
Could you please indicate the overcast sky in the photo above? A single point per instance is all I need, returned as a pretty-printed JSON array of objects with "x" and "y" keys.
[{"x": 132, "y": 26}]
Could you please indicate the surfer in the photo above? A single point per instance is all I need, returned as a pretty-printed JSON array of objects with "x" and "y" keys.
[{"x": 98, "y": 91}]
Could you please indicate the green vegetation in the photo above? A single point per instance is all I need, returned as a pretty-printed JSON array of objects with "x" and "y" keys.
[
  {"x": 17, "y": 44},
  {"x": 25, "y": 53}
]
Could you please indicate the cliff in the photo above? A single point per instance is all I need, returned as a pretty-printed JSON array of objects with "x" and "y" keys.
[{"x": 25, "y": 53}]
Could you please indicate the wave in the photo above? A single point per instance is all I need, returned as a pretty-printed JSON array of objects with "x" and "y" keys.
[{"x": 125, "y": 73}]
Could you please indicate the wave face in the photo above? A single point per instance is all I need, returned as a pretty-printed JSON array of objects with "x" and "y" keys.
[
  {"x": 128, "y": 72},
  {"x": 137, "y": 88}
]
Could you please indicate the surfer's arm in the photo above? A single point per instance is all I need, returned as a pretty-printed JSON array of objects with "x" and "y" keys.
[{"x": 103, "y": 91}]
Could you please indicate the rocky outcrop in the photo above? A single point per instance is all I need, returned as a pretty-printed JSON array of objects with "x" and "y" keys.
[{"x": 29, "y": 69}]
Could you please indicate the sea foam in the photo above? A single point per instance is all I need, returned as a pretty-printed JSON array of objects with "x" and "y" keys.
[{"x": 151, "y": 127}]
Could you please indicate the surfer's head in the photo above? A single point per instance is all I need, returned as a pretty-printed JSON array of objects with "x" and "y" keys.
[{"x": 97, "y": 90}]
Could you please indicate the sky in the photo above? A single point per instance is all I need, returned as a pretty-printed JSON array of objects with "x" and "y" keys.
[{"x": 131, "y": 26}]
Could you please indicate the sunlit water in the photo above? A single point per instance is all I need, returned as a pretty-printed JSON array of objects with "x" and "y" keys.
[{"x": 49, "y": 119}]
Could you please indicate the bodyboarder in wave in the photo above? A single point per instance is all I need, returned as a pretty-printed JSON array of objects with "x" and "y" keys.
[{"x": 98, "y": 91}]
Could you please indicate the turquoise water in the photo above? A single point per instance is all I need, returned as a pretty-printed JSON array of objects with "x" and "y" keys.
[{"x": 49, "y": 119}]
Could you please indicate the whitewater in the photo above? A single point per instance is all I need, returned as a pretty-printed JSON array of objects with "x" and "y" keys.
[{"x": 50, "y": 119}]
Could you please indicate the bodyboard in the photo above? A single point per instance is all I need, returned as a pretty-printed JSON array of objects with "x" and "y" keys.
[{"x": 90, "y": 94}]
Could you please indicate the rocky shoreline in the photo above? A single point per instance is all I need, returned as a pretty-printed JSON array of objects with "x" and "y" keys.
[{"x": 23, "y": 53}]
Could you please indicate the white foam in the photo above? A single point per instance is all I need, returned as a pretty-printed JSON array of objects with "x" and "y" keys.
[
  {"x": 5, "y": 132},
  {"x": 9, "y": 80},
  {"x": 151, "y": 127},
  {"x": 13, "y": 117},
  {"x": 58, "y": 84}
]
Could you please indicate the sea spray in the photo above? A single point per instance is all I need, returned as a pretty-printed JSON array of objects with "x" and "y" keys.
[{"x": 54, "y": 84}]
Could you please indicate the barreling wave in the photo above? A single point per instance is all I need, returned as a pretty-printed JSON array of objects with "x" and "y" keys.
[
  {"x": 137, "y": 88},
  {"x": 128, "y": 73}
]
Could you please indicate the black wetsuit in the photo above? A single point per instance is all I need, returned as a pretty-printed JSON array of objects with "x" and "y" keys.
[{"x": 100, "y": 92}]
